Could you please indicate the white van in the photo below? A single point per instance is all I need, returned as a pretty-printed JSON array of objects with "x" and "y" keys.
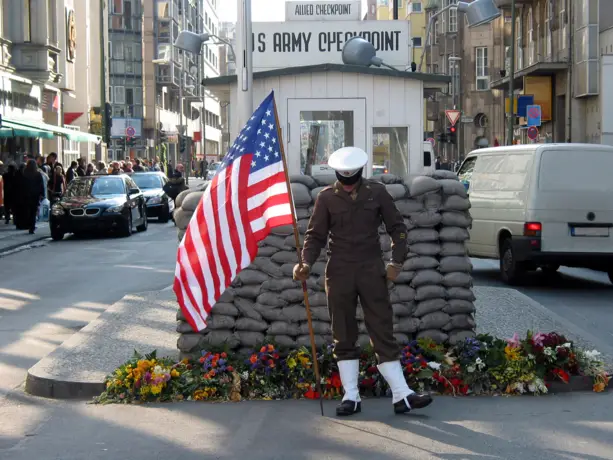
[{"x": 541, "y": 206}]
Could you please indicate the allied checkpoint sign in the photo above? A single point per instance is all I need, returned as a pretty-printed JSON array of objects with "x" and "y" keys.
[
  {"x": 302, "y": 43},
  {"x": 336, "y": 10}
]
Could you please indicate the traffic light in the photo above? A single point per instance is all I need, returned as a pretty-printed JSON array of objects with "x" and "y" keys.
[
  {"x": 442, "y": 138},
  {"x": 182, "y": 143},
  {"x": 108, "y": 121},
  {"x": 451, "y": 135}
]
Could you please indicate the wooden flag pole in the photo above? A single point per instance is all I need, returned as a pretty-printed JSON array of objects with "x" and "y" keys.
[{"x": 304, "y": 285}]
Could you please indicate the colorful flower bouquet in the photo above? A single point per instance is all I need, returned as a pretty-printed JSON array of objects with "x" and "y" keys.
[{"x": 481, "y": 365}]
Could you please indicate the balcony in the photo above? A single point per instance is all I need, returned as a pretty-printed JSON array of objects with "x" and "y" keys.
[
  {"x": 36, "y": 61},
  {"x": 542, "y": 69}
]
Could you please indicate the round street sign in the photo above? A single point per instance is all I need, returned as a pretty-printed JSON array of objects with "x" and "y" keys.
[
  {"x": 533, "y": 132},
  {"x": 432, "y": 141},
  {"x": 534, "y": 112},
  {"x": 130, "y": 131}
]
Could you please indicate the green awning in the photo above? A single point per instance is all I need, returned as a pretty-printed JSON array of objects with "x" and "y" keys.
[
  {"x": 71, "y": 135},
  {"x": 10, "y": 129}
]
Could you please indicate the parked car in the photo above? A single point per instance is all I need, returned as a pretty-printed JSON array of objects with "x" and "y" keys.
[
  {"x": 541, "y": 206},
  {"x": 99, "y": 203},
  {"x": 159, "y": 204},
  {"x": 378, "y": 170},
  {"x": 213, "y": 167}
]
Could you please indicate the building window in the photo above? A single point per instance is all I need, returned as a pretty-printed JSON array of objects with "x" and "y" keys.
[
  {"x": 531, "y": 38},
  {"x": 416, "y": 7},
  {"x": 417, "y": 42},
  {"x": 119, "y": 95},
  {"x": 437, "y": 30},
  {"x": 548, "y": 16},
  {"x": 27, "y": 20},
  {"x": 482, "y": 70},
  {"x": 117, "y": 6},
  {"x": 71, "y": 148},
  {"x": 117, "y": 50},
  {"x": 562, "y": 29},
  {"x": 519, "y": 52},
  {"x": 453, "y": 16}
]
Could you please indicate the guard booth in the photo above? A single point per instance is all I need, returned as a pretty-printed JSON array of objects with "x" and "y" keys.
[{"x": 324, "y": 107}]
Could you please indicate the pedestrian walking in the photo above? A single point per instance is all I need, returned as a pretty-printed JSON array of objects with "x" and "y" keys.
[
  {"x": 138, "y": 167},
  {"x": 33, "y": 189},
  {"x": 347, "y": 216},
  {"x": 102, "y": 169},
  {"x": 176, "y": 184},
  {"x": 127, "y": 167},
  {"x": 115, "y": 168},
  {"x": 57, "y": 183},
  {"x": 81, "y": 167},
  {"x": 91, "y": 170},
  {"x": 71, "y": 173}
]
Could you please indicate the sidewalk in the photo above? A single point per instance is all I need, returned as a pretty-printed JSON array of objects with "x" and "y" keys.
[{"x": 10, "y": 238}]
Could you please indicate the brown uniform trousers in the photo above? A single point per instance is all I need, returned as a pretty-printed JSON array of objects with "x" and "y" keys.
[{"x": 350, "y": 223}]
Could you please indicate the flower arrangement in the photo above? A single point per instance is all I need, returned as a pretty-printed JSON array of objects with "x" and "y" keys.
[{"x": 481, "y": 365}]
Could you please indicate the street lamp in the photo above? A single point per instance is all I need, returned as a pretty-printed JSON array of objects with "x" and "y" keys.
[{"x": 360, "y": 52}]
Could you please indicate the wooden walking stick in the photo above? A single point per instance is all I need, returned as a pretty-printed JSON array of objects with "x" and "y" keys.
[{"x": 304, "y": 285}]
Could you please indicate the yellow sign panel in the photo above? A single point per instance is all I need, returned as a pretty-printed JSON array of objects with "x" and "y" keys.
[
  {"x": 541, "y": 88},
  {"x": 506, "y": 105}
]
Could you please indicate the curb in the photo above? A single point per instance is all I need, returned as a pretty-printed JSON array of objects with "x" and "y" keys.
[
  {"x": 17, "y": 246},
  {"x": 59, "y": 389}
]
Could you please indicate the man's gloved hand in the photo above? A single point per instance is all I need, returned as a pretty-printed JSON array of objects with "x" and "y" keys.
[
  {"x": 301, "y": 272},
  {"x": 393, "y": 270}
]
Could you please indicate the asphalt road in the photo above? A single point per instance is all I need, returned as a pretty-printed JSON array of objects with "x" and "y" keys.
[{"x": 583, "y": 297}]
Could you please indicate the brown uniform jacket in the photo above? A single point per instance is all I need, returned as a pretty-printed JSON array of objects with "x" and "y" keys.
[{"x": 353, "y": 225}]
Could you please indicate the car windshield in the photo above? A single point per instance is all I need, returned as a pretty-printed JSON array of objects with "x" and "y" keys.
[
  {"x": 214, "y": 166},
  {"x": 96, "y": 187},
  {"x": 147, "y": 181}
]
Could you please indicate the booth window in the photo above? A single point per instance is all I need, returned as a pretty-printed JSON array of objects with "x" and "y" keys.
[
  {"x": 390, "y": 152},
  {"x": 321, "y": 134}
]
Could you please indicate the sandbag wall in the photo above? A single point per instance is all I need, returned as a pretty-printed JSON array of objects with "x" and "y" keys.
[{"x": 431, "y": 298}]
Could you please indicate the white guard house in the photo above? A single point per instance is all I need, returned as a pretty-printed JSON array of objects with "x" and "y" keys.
[{"x": 328, "y": 106}]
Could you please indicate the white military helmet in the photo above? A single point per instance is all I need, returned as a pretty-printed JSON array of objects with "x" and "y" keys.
[{"x": 348, "y": 161}]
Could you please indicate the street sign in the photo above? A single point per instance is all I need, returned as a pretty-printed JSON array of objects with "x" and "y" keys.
[
  {"x": 453, "y": 116},
  {"x": 533, "y": 115},
  {"x": 466, "y": 119},
  {"x": 533, "y": 133},
  {"x": 130, "y": 131},
  {"x": 432, "y": 141}
]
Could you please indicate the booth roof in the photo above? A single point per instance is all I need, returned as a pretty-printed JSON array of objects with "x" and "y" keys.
[{"x": 430, "y": 80}]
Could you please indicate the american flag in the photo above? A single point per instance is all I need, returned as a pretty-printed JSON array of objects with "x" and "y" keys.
[{"x": 247, "y": 197}]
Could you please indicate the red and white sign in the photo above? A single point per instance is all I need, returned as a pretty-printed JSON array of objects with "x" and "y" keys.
[
  {"x": 533, "y": 133},
  {"x": 432, "y": 141},
  {"x": 453, "y": 116}
]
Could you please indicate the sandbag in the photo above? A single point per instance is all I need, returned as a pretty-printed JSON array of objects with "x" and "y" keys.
[
  {"x": 396, "y": 191},
  {"x": 272, "y": 299},
  {"x": 456, "y": 203},
  {"x": 318, "y": 299},
  {"x": 250, "y": 338},
  {"x": 422, "y": 185},
  {"x": 182, "y": 218},
  {"x": 449, "y": 249},
  {"x": 461, "y": 294},
  {"x": 403, "y": 309},
  {"x": 295, "y": 313},
  {"x": 274, "y": 241},
  {"x": 227, "y": 296},
  {"x": 406, "y": 325},
  {"x": 401, "y": 338},
  {"x": 283, "y": 230},
  {"x": 457, "y": 306},
  {"x": 282, "y": 328},
  {"x": 420, "y": 263},
  {"x": 409, "y": 206},
  {"x": 216, "y": 321},
  {"x": 303, "y": 179},
  {"x": 456, "y": 337},
  {"x": 364, "y": 341},
  {"x": 457, "y": 279},
  {"x": 319, "y": 327},
  {"x": 402, "y": 293},
  {"x": 425, "y": 219},
  {"x": 293, "y": 295},
  {"x": 268, "y": 266},
  {"x": 191, "y": 201},
  {"x": 453, "y": 187},
  {"x": 461, "y": 321},
  {"x": 362, "y": 328},
  {"x": 278, "y": 285},
  {"x": 248, "y": 276},
  {"x": 245, "y": 308},
  {"x": 315, "y": 192},
  {"x": 455, "y": 264},
  {"x": 325, "y": 180},
  {"x": 290, "y": 241},
  {"x": 429, "y": 306},
  {"x": 318, "y": 268},
  {"x": 270, "y": 314},
  {"x": 405, "y": 277},
  {"x": 267, "y": 251},
  {"x": 386, "y": 243},
  {"x": 359, "y": 312},
  {"x": 430, "y": 292},
  {"x": 248, "y": 292},
  {"x": 456, "y": 219},
  {"x": 302, "y": 225},
  {"x": 224, "y": 308},
  {"x": 453, "y": 234},
  {"x": 433, "y": 201},
  {"x": 422, "y": 235},
  {"x": 180, "y": 235},
  {"x": 389, "y": 179},
  {"x": 302, "y": 213},
  {"x": 426, "y": 277},
  {"x": 444, "y": 174},
  {"x": 180, "y": 316},
  {"x": 320, "y": 313},
  {"x": 305, "y": 341},
  {"x": 287, "y": 270},
  {"x": 219, "y": 338},
  {"x": 181, "y": 197},
  {"x": 435, "y": 320},
  {"x": 184, "y": 328},
  {"x": 425, "y": 249},
  {"x": 284, "y": 341},
  {"x": 301, "y": 195},
  {"x": 434, "y": 334}
]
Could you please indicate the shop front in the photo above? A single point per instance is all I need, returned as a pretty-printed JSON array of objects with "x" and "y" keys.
[{"x": 328, "y": 106}]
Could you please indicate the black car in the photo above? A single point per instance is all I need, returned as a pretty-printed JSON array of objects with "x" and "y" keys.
[
  {"x": 99, "y": 203},
  {"x": 159, "y": 204}
]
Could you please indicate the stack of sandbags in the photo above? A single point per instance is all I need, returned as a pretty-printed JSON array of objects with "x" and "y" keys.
[{"x": 431, "y": 298}]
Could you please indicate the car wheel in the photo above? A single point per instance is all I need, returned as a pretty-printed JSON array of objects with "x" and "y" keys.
[
  {"x": 511, "y": 271},
  {"x": 164, "y": 215},
  {"x": 550, "y": 269},
  {"x": 127, "y": 226},
  {"x": 57, "y": 234},
  {"x": 610, "y": 273},
  {"x": 143, "y": 226}
]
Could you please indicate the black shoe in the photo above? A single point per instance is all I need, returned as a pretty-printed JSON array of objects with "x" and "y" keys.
[
  {"x": 415, "y": 400},
  {"x": 31, "y": 232},
  {"x": 348, "y": 408}
]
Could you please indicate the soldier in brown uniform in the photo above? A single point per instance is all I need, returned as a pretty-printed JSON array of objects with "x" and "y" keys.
[{"x": 349, "y": 214}]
